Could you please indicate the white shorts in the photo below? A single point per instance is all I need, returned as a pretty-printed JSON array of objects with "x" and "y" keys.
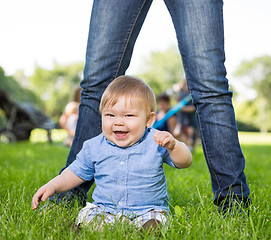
[{"x": 91, "y": 211}]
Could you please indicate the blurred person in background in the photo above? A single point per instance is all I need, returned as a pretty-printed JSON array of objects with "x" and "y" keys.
[
  {"x": 68, "y": 119},
  {"x": 187, "y": 126},
  {"x": 163, "y": 102}
]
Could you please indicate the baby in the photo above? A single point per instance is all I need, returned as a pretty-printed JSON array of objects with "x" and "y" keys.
[{"x": 126, "y": 160}]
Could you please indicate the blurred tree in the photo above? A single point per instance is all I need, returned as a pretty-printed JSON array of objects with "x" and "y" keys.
[
  {"x": 15, "y": 92},
  {"x": 21, "y": 78},
  {"x": 257, "y": 74},
  {"x": 56, "y": 87},
  {"x": 247, "y": 113},
  {"x": 161, "y": 70}
]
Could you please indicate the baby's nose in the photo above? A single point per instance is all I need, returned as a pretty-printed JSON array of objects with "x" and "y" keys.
[{"x": 119, "y": 123}]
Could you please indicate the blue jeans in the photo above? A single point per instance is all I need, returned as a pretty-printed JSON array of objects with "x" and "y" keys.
[{"x": 114, "y": 28}]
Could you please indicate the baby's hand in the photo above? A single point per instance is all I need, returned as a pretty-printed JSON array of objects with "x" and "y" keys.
[
  {"x": 165, "y": 139},
  {"x": 42, "y": 194}
]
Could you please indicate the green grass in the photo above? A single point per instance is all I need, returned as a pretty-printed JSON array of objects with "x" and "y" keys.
[{"x": 26, "y": 166}]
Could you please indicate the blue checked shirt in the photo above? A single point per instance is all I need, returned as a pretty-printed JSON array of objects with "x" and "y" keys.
[{"x": 129, "y": 180}]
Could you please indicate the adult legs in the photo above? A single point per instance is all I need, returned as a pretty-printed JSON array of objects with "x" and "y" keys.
[
  {"x": 113, "y": 30},
  {"x": 200, "y": 33}
]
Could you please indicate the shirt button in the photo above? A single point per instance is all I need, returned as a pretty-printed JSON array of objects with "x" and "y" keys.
[
  {"x": 120, "y": 182},
  {"x": 120, "y": 203},
  {"x": 121, "y": 163}
]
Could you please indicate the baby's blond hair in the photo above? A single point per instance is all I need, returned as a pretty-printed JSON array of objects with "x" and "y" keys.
[{"x": 130, "y": 87}]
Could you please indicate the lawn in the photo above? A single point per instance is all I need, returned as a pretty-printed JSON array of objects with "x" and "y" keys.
[{"x": 27, "y": 165}]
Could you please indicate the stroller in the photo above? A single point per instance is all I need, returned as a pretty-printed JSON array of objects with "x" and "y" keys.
[{"x": 22, "y": 118}]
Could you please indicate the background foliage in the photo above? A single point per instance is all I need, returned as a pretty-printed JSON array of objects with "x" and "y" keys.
[
  {"x": 56, "y": 87},
  {"x": 161, "y": 70},
  {"x": 256, "y": 74},
  {"x": 15, "y": 91},
  {"x": 52, "y": 89}
]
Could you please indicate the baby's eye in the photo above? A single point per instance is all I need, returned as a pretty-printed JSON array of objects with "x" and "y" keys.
[
  {"x": 109, "y": 115},
  {"x": 129, "y": 115}
]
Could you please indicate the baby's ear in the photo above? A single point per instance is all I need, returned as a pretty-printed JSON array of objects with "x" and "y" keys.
[{"x": 151, "y": 119}]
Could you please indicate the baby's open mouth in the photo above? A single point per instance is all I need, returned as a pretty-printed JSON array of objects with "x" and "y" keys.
[{"x": 121, "y": 134}]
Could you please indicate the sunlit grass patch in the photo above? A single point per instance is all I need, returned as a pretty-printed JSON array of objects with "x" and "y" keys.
[
  {"x": 255, "y": 138},
  {"x": 40, "y": 135}
]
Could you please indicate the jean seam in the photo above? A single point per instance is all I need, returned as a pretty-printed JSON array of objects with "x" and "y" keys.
[
  {"x": 207, "y": 155},
  {"x": 127, "y": 41}
]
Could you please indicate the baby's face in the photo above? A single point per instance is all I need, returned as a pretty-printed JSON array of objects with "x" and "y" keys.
[{"x": 124, "y": 123}]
